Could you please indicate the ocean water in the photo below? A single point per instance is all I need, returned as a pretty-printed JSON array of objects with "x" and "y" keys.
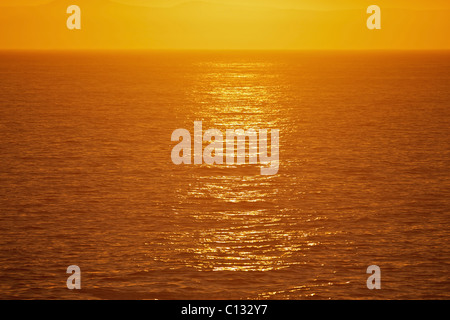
[{"x": 86, "y": 176}]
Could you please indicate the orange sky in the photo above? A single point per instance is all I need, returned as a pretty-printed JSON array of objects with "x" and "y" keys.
[{"x": 225, "y": 24}]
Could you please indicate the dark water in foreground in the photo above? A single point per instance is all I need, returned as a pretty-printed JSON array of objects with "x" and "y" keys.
[{"x": 86, "y": 176}]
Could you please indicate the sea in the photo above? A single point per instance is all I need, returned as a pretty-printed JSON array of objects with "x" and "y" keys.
[{"x": 87, "y": 179}]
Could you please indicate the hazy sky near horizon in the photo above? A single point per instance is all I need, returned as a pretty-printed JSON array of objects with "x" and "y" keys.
[
  {"x": 290, "y": 4},
  {"x": 242, "y": 24}
]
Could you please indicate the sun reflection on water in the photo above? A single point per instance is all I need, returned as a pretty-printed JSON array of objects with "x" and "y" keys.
[{"x": 237, "y": 96}]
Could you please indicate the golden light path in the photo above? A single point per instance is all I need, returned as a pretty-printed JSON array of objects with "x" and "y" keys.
[{"x": 240, "y": 95}]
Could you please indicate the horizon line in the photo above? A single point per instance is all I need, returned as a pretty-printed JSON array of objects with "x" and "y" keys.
[{"x": 211, "y": 50}]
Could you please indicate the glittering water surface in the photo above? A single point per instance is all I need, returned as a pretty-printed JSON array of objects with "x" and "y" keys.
[{"x": 87, "y": 179}]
